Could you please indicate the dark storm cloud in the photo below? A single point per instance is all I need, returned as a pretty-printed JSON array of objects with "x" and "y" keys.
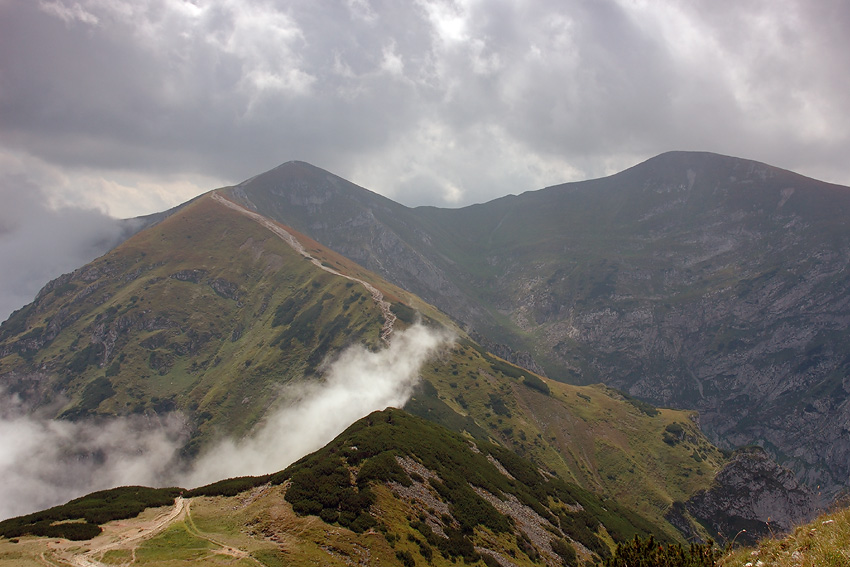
[{"x": 428, "y": 102}]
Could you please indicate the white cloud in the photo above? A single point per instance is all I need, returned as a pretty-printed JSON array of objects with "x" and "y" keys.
[
  {"x": 48, "y": 462},
  {"x": 39, "y": 242},
  {"x": 356, "y": 384},
  {"x": 69, "y": 13},
  {"x": 44, "y": 462}
]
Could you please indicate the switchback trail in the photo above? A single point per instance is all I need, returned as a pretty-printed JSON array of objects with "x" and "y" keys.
[{"x": 286, "y": 236}]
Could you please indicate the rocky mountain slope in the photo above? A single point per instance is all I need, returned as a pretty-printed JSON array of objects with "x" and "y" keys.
[{"x": 691, "y": 280}]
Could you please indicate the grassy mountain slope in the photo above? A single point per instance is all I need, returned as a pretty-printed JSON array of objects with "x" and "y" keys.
[
  {"x": 642, "y": 457},
  {"x": 692, "y": 280},
  {"x": 822, "y": 542},
  {"x": 207, "y": 312}
]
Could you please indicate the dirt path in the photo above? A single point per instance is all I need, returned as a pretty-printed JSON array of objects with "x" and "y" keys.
[
  {"x": 116, "y": 535},
  {"x": 377, "y": 296},
  {"x": 127, "y": 536}
]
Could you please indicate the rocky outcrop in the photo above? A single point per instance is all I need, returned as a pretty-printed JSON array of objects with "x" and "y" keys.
[{"x": 751, "y": 498}]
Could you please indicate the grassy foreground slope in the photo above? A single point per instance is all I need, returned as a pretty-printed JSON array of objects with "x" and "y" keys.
[
  {"x": 392, "y": 489},
  {"x": 824, "y": 542}
]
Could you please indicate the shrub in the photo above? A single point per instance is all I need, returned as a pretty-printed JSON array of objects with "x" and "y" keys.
[
  {"x": 406, "y": 558},
  {"x": 94, "y": 509},
  {"x": 565, "y": 551},
  {"x": 497, "y": 404},
  {"x": 536, "y": 383},
  {"x": 648, "y": 553},
  {"x": 229, "y": 487},
  {"x": 506, "y": 369},
  {"x": 383, "y": 467},
  {"x": 404, "y": 313}
]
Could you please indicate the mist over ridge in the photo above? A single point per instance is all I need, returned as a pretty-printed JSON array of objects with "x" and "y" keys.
[{"x": 46, "y": 462}]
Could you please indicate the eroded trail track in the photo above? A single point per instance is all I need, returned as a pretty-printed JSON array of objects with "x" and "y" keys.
[
  {"x": 116, "y": 535},
  {"x": 125, "y": 537},
  {"x": 289, "y": 238}
]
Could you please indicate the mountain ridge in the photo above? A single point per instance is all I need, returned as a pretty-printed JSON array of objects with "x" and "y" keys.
[
  {"x": 213, "y": 311},
  {"x": 611, "y": 280}
]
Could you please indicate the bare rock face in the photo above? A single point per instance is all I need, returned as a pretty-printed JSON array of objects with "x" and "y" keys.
[{"x": 751, "y": 498}]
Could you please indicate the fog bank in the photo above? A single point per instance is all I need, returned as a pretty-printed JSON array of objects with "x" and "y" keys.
[
  {"x": 356, "y": 384},
  {"x": 48, "y": 462},
  {"x": 39, "y": 242}
]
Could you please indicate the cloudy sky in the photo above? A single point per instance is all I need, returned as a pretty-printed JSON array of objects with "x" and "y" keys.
[{"x": 132, "y": 106}]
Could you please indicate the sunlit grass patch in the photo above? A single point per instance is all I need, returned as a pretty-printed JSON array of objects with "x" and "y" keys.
[{"x": 822, "y": 543}]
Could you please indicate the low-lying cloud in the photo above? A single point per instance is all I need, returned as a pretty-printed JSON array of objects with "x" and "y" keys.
[
  {"x": 48, "y": 462},
  {"x": 356, "y": 384}
]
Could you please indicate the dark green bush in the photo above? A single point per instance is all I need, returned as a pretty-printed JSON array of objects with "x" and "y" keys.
[
  {"x": 565, "y": 551},
  {"x": 406, "y": 558},
  {"x": 497, "y": 404},
  {"x": 536, "y": 383},
  {"x": 649, "y": 553},
  {"x": 94, "y": 509},
  {"x": 404, "y": 313},
  {"x": 383, "y": 468},
  {"x": 285, "y": 312},
  {"x": 506, "y": 368},
  {"x": 229, "y": 487}
]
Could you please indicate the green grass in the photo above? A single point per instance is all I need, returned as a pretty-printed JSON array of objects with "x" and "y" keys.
[
  {"x": 116, "y": 557},
  {"x": 217, "y": 359},
  {"x": 824, "y": 542},
  {"x": 593, "y": 435},
  {"x": 175, "y": 543}
]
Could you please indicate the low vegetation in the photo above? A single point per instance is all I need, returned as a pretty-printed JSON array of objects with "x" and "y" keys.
[
  {"x": 824, "y": 542},
  {"x": 649, "y": 553},
  {"x": 81, "y": 518}
]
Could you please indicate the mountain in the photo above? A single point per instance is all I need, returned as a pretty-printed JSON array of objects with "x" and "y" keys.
[
  {"x": 210, "y": 314},
  {"x": 392, "y": 489},
  {"x": 177, "y": 318},
  {"x": 221, "y": 317},
  {"x": 692, "y": 280}
]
